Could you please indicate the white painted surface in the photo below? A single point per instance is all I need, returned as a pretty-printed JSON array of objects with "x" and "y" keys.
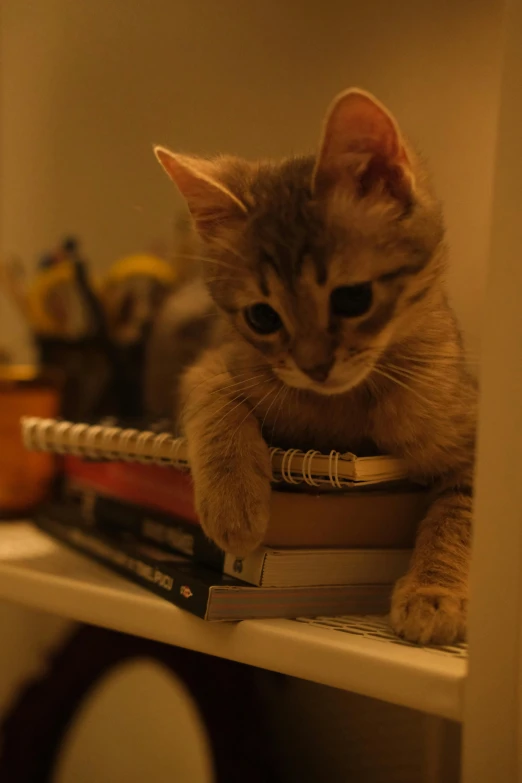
[{"x": 493, "y": 719}]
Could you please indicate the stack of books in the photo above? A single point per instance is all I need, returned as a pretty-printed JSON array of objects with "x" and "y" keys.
[{"x": 340, "y": 533}]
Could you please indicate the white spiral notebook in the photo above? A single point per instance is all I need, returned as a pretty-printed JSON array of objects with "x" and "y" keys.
[{"x": 291, "y": 466}]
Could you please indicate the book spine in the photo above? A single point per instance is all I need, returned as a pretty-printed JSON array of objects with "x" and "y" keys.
[
  {"x": 248, "y": 569},
  {"x": 185, "y": 593},
  {"x": 167, "y": 532},
  {"x": 164, "y": 531},
  {"x": 165, "y": 489},
  {"x": 177, "y": 536},
  {"x": 172, "y": 534}
]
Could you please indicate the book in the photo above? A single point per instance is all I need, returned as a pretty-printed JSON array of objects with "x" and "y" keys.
[
  {"x": 334, "y": 470},
  {"x": 265, "y": 567},
  {"x": 163, "y": 530},
  {"x": 200, "y": 590},
  {"x": 363, "y": 518},
  {"x": 268, "y": 567}
]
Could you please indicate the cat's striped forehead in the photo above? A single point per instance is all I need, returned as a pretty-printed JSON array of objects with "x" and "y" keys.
[
  {"x": 285, "y": 230},
  {"x": 294, "y": 247},
  {"x": 344, "y": 239}
]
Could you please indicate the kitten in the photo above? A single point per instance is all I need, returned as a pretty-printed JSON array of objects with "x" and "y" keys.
[{"x": 328, "y": 274}]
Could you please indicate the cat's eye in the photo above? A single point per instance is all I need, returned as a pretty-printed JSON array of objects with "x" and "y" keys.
[
  {"x": 350, "y": 301},
  {"x": 262, "y": 318}
]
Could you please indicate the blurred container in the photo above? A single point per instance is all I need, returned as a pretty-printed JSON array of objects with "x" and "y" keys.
[{"x": 25, "y": 476}]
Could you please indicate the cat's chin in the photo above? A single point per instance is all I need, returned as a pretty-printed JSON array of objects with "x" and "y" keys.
[{"x": 328, "y": 388}]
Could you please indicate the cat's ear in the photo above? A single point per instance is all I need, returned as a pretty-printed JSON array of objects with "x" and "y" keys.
[
  {"x": 362, "y": 143},
  {"x": 210, "y": 202}
]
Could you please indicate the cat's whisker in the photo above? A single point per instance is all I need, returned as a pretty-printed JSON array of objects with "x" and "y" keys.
[
  {"x": 260, "y": 366},
  {"x": 371, "y": 382},
  {"x": 208, "y": 380},
  {"x": 439, "y": 359},
  {"x": 427, "y": 377},
  {"x": 227, "y": 403},
  {"x": 245, "y": 381},
  {"x": 421, "y": 380},
  {"x": 249, "y": 413},
  {"x": 227, "y": 248},
  {"x": 428, "y": 358},
  {"x": 241, "y": 402},
  {"x": 283, "y": 398},
  {"x": 246, "y": 385},
  {"x": 205, "y": 259},
  {"x": 393, "y": 379},
  {"x": 422, "y": 351},
  {"x": 242, "y": 384},
  {"x": 270, "y": 406},
  {"x": 412, "y": 362},
  {"x": 233, "y": 372}
]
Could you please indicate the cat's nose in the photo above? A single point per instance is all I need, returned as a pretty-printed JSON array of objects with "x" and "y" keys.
[
  {"x": 314, "y": 356},
  {"x": 318, "y": 372}
]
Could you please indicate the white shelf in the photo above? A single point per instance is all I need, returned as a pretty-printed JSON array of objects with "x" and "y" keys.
[{"x": 38, "y": 572}]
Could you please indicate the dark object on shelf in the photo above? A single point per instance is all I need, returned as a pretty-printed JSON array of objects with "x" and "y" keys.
[
  {"x": 92, "y": 337},
  {"x": 99, "y": 377},
  {"x": 226, "y": 695}
]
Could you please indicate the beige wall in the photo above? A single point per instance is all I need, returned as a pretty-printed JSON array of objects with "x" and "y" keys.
[{"x": 87, "y": 86}]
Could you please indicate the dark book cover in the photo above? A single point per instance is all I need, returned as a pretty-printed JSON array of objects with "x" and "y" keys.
[
  {"x": 200, "y": 590},
  {"x": 156, "y": 527},
  {"x": 172, "y": 576}
]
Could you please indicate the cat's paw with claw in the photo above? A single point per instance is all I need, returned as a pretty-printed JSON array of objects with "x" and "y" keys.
[
  {"x": 235, "y": 518},
  {"x": 427, "y": 613}
]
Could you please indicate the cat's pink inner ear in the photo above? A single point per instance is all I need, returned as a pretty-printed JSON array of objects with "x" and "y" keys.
[
  {"x": 361, "y": 140},
  {"x": 209, "y": 200}
]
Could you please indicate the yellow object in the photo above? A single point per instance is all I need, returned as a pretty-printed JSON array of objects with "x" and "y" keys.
[
  {"x": 45, "y": 280},
  {"x": 17, "y": 373},
  {"x": 138, "y": 265},
  {"x": 142, "y": 265}
]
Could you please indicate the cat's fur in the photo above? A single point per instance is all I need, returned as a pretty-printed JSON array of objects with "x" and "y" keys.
[
  {"x": 182, "y": 329},
  {"x": 392, "y": 380}
]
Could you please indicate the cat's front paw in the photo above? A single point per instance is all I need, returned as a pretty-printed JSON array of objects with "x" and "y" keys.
[
  {"x": 235, "y": 517},
  {"x": 428, "y": 613}
]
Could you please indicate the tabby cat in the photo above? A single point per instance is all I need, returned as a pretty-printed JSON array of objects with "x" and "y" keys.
[{"x": 335, "y": 333}]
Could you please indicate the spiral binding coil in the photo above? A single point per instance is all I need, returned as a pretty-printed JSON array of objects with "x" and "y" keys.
[{"x": 98, "y": 442}]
